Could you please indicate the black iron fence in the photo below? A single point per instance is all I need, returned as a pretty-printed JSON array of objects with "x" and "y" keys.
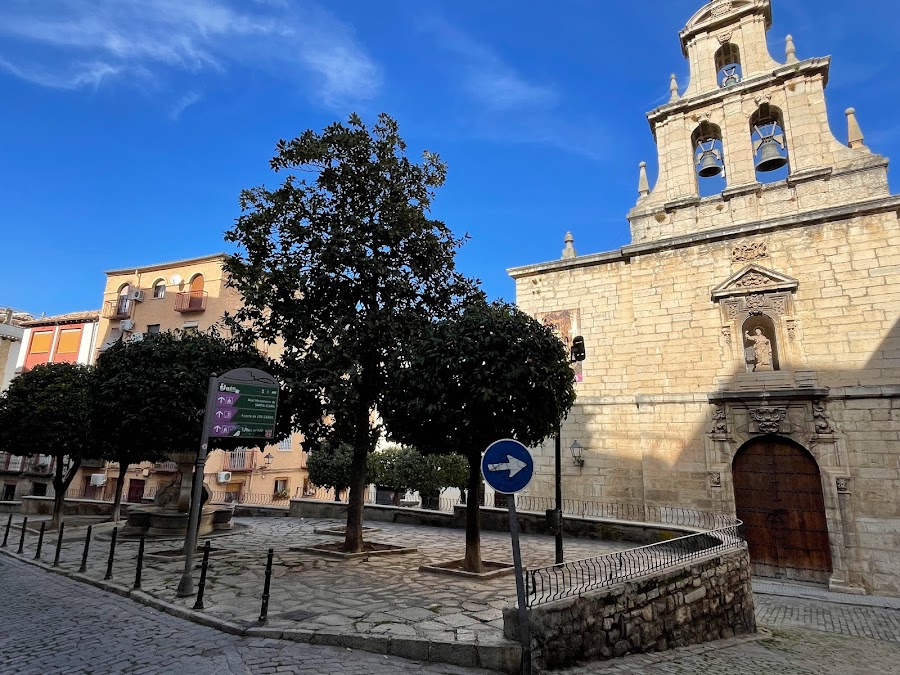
[{"x": 570, "y": 579}]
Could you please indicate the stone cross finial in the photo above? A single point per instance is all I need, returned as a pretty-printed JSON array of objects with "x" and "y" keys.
[
  {"x": 854, "y": 133},
  {"x": 569, "y": 250},
  {"x": 790, "y": 50},
  {"x": 673, "y": 88},
  {"x": 643, "y": 183}
]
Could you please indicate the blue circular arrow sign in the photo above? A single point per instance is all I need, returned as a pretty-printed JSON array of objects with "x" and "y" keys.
[{"x": 507, "y": 466}]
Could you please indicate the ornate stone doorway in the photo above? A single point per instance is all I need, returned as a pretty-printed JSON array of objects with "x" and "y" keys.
[{"x": 778, "y": 495}]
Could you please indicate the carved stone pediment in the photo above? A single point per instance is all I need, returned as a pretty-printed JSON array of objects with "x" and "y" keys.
[
  {"x": 767, "y": 420},
  {"x": 754, "y": 279}
]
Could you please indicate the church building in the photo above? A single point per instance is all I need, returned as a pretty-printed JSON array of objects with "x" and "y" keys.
[{"x": 744, "y": 348}]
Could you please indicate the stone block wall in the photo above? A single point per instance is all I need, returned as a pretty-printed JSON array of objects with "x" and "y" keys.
[{"x": 705, "y": 600}]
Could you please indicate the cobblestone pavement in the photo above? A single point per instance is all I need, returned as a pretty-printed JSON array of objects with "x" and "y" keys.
[
  {"x": 50, "y": 624},
  {"x": 377, "y": 596}
]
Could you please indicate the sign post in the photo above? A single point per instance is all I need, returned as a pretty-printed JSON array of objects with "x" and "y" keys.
[
  {"x": 241, "y": 403},
  {"x": 507, "y": 466}
]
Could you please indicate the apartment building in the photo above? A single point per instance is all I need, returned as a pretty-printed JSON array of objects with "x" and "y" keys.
[{"x": 188, "y": 295}]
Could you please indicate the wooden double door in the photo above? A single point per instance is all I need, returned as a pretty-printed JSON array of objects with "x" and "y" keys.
[{"x": 778, "y": 495}]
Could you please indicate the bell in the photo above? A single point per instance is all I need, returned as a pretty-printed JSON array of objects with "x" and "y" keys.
[
  {"x": 731, "y": 77},
  {"x": 709, "y": 165},
  {"x": 770, "y": 159}
]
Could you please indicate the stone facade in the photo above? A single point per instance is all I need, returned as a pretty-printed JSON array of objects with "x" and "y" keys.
[
  {"x": 764, "y": 312},
  {"x": 706, "y": 600}
]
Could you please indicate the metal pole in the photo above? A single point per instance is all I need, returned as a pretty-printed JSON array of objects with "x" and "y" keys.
[
  {"x": 6, "y": 534},
  {"x": 264, "y": 611},
  {"x": 62, "y": 527},
  {"x": 559, "y": 513},
  {"x": 112, "y": 553},
  {"x": 22, "y": 537},
  {"x": 87, "y": 546},
  {"x": 186, "y": 586},
  {"x": 524, "y": 627},
  {"x": 37, "y": 553},
  {"x": 140, "y": 565},
  {"x": 202, "y": 586}
]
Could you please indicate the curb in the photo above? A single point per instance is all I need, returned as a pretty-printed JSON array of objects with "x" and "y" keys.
[{"x": 505, "y": 658}]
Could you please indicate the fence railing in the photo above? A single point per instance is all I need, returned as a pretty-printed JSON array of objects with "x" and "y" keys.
[{"x": 570, "y": 579}]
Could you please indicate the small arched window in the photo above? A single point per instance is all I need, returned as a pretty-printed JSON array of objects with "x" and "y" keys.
[
  {"x": 709, "y": 158},
  {"x": 159, "y": 288},
  {"x": 770, "y": 156},
  {"x": 728, "y": 65},
  {"x": 122, "y": 301}
]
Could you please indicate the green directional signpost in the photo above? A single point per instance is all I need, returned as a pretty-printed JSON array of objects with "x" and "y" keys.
[{"x": 242, "y": 403}]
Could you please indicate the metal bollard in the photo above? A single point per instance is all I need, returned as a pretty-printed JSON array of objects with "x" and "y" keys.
[
  {"x": 22, "y": 538},
  {"x": 87, "y": 545},
  {"x": 112, "y": 554},
  {"x": 6, "y": 534},
  {"x": 202, "y": 586},
  {"x": 62, "y": 527},
  {"x": 37, "y": 554},
  {"x": 140, "y": 565},
  {"x": 264, "y": 611}
]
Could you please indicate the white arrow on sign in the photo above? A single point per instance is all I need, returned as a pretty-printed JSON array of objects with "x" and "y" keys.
[{"x": 512, "y": 464}]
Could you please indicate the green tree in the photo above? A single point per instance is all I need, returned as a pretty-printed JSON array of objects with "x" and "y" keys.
[
  {"x": 398, "y": 468},
  {"x": 329, "y": 467},
  {"x": 345, "y": 266},
  {"x": 493, "y": 373},
  {"x": 46, "y": 410},
  {"x": 442, "y": 471},
  {"x": 149, "y": 397}
]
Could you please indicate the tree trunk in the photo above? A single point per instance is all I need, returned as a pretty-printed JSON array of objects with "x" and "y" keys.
[
  {"x": 61, "y": 484},
  {"x": 120, "y": 486},
  {"x": 473, "y": 518},
  {"x": 353, "y": 541},
  {"x": 396, "y": 498}
]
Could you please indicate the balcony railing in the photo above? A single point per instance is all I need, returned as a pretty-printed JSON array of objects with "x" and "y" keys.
[
  {"x": 240, "y": 460},
  {"x": 41, "y": 465},
  {"x": 165, "y": 467},
  {"x": 120, "y": 308},
  {"x": 194, "y": 301}
]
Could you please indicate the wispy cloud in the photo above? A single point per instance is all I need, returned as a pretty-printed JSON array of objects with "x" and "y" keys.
[
  {"x": 70, "y": 44},
  {"x": 183, "y": 104},
  {"x": 485, "y": 77}
]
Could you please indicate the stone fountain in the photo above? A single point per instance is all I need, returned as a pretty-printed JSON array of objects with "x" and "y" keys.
[{"x": 169, "y": 514}]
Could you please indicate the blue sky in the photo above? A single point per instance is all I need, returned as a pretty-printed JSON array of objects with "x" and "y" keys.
[{"x": 128, "y": 127}]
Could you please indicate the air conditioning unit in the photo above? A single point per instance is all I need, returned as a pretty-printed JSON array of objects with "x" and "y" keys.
[
  {"x": 136, "y": 337},
  {"x": 137, "y": 295},
  {"x": 127, "y": 325},
  {"x": 223, "y": 476},
  {"x": 98, "y": 479}
]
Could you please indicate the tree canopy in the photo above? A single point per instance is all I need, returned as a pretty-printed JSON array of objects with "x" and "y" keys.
[
  {"x": 330, "y": 467},
  {"x": 342, "y": 264},
  {"x": 492, "y": 373},
  {"x": 46, "y": 410}
]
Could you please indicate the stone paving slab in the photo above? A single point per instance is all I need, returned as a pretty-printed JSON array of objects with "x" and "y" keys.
[{"x": 789, "y": 590}]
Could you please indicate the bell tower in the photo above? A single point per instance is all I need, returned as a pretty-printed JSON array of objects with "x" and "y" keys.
[{"x": 748, "y": 139}]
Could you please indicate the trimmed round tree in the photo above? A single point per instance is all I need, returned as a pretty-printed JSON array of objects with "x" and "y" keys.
[
  {"x": 493, "y": 372},
  {"x": 46, "y": 410}
]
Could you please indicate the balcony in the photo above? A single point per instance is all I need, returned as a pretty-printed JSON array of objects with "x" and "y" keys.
[
  {"x": 11, "y": 463},
  {"x": 194, "y": 301},
  {"x": 42, "y": 465},
  {"x": 120, "y": 308},
  {"x": 165, "y": 467},
  {"x": 240, "y": 460}
]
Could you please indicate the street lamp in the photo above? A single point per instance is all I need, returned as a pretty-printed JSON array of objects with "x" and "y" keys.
[
  {"x": 268, "y": 459},
  {"x": 577, "y": 452},
  {"x": 576, "y": 354}
]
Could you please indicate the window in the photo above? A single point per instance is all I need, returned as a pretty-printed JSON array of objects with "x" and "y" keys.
[
  {"x": 41, "y": 342},
  {"x": 69, "y": 340},
  {"x": 191, "y": 326},
  {"x": 281, "y": 486},
  {"x": 159, "y": 289},
  {"x": 39, "y": 489},
  {"x": 152, "y": 328},
  {"x": 285, "y": 445}
]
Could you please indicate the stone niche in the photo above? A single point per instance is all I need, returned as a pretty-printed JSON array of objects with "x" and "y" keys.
[{"x": 707, "y": 599}]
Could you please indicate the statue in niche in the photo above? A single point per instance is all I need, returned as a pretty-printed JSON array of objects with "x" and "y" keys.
[{"x": 759, "y": 353}]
